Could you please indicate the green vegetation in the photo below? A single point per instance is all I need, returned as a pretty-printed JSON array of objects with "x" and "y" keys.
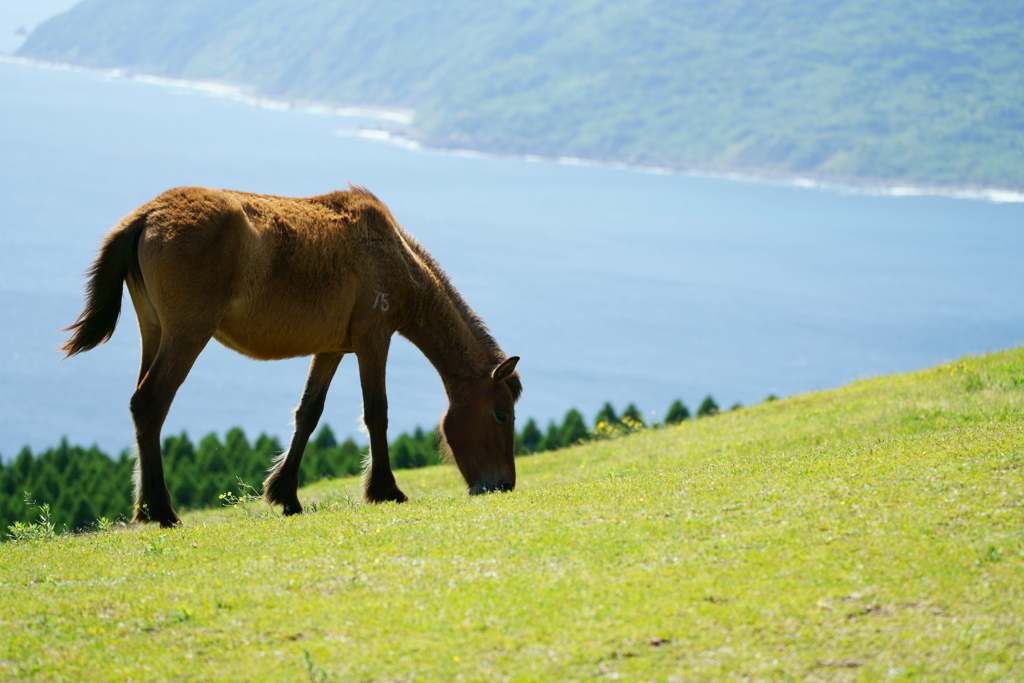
[
  {"x": 870, "y": 533},
  {"x": 708, "y": 407},
  {"x": 911, "y": 90},
  {"x": 677, "y": 412},
  {"x": 80, "y": 486}
]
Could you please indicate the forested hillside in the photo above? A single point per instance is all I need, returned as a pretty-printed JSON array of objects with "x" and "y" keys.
[{"x": 910, "y": 90}]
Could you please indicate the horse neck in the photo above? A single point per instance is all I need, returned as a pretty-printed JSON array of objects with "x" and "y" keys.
[{"x": 449, "y": 341}]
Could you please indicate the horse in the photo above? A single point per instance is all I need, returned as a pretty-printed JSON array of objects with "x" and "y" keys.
[{"x": 281, "y": 277}]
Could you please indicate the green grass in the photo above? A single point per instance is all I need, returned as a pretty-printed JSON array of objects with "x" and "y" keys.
[{"x": 871, "y": 533}]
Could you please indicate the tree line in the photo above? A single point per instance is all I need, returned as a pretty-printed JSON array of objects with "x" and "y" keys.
[{"x": 82, "y": 485}]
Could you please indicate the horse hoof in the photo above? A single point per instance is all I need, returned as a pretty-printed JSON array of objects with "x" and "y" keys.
[
  {"x": 165, "y": 518},
  {"x": 393, "y": 495},
  {"x": 289, "y": 509}
]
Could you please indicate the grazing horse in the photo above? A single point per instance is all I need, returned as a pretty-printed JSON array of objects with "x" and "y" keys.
[{"x": 279, "y": 277}]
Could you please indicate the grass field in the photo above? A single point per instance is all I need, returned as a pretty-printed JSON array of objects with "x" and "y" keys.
[{"x": 871, "y": 533}]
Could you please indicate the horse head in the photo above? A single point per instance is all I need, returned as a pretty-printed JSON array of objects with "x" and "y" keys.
[{"x": 478, "y": 430}]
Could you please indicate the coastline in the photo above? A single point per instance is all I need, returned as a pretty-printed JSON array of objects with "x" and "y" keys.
[
  {"x": 802, "y": 181},
  {"x": 405, "y": 118},
  {"x": 223, "y": 90}
]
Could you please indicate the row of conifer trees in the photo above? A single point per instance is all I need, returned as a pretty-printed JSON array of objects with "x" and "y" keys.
[{"x": 82, "y": 485}]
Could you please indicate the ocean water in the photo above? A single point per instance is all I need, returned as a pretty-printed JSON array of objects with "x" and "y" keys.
[{"x": 612, "y": 284}]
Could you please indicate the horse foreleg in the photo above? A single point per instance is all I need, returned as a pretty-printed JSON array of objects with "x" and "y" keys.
[
  {"x": 378, "y": 480},
  {"x": 149, "y": 407},
  {"x": 282, "y": 484}
]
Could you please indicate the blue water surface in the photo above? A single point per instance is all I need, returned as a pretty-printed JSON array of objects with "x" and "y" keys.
[{"x": 613, "y": 285}]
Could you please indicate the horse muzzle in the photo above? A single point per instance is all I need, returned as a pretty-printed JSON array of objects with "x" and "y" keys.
[{"x": 492, "y": 486}]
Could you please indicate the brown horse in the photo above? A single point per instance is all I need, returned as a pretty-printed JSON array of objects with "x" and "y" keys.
[{"x": 278, "y": 277}]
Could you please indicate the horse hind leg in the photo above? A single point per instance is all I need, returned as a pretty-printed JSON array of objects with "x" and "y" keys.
[
  {"x": 149, "y": 406},
  {"x": 188, "y": 273},
  {"x": 149, "y": 327},
  {"x": 282, "y": 484}
]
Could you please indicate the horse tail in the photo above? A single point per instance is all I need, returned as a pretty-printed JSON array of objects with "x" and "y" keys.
[{"x": 119, "y": 258}]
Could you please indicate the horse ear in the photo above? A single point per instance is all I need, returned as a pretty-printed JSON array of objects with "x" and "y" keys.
[{"x": 503, "y": 371}]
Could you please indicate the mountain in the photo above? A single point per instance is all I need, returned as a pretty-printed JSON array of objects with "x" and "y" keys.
[{"x": 906, "y": 90}]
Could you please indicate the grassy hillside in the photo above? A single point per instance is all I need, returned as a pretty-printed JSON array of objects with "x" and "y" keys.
[
  {"x": 913, "y": 90},
  {"x": 870, "y": 533}
]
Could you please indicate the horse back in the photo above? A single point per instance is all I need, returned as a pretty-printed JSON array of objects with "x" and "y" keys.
[{"x": 276, "y": 276}]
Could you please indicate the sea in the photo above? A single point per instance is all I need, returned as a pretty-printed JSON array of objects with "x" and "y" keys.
[{"x": 617, "y": 284}]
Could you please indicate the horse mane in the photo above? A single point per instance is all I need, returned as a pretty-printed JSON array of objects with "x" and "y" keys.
[{"x": 472, "y": 320}]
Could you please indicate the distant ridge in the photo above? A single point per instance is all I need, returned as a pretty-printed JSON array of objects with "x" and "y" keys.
[{"x": 906, "y": 91}]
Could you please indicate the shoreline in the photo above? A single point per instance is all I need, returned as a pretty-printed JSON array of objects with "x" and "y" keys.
[
  {"x": 222, "y": 90},
  {"x": 406, "y": 117},
  {"x": 851, "y": 187}
]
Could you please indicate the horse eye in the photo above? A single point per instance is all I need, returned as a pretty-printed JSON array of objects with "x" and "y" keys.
[{"x": 501, "y": 417}]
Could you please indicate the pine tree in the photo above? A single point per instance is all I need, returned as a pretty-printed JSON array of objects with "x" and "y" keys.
[
  {"x": 350, "y": 458},
  {"x": 401, "y": 454},
  {"x": 677, "y": 412},
  {"x": 183, "y": 489},
  {"x": 45, "y": 484},
  {"x": 238, "y": 455},
  {"x": 265, "y": 452},
  {"x": 573, "y": 430},
  {"x": 179, "y": 452},
  {"x": 71, "y": 474},
  {"x": 606, "y": 415},
  {"x": 23, "y": 465},
  {"x": 430, "y": 447},
  {"x": 324, "y": 439},
  {"x": 636, "y": 419},
  {"x": 61, "y": 455},
  {"x": 552, "y": 440},
  {"x": 82, "y": 515},
  {"x": 8, "y": 484},
  {"x": 529, "y": 438},
  {"x": 708, "y": 407},
  {"x": 210, "y": 456},
  {"x": 62, "y": 509}
]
